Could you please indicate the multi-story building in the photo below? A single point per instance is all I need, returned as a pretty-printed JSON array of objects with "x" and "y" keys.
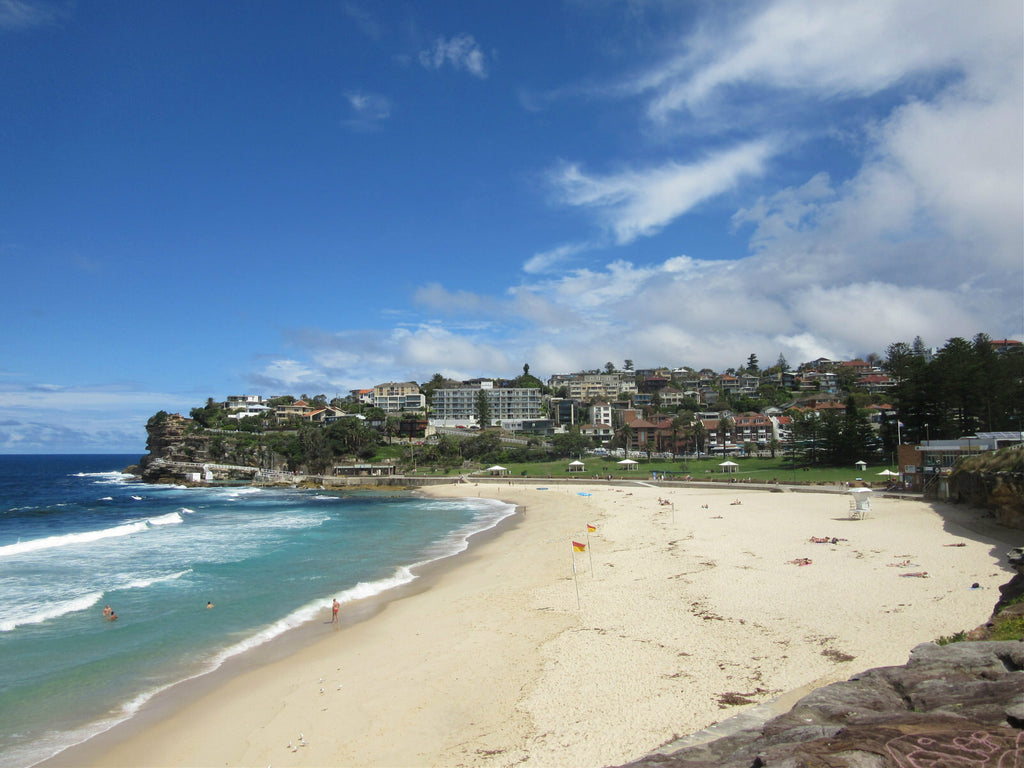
[
  {"x": 240, "y": 402},
  {"x": 244, "y": 406},
  {"x": 564, "y": 412},
  {"x": 590, "y": 387},
  {"x": 509, "y": 406},
  {"x": 291, "y": 410},
  {"x": 752, "y": 428},
  {"x": 600, "y": 414},
  {"x": 399, "y": 397}
]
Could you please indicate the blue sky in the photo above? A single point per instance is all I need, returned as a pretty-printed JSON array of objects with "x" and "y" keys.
[{"x": 201, "y": 199}]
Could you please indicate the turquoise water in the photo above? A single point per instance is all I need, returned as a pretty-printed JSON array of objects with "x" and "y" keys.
[{"x": 76, "y": 535}]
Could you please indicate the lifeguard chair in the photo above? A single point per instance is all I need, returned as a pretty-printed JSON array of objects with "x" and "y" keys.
[{"x": 860, "y": 503}]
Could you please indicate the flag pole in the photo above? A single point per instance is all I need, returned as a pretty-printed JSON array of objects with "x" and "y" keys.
[
  {"x": 574, "y": 581},
  {"x": 590, "y": 551}
]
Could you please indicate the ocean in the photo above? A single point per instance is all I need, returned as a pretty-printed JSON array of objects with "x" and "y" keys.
[{"x": 76, "y": 534}]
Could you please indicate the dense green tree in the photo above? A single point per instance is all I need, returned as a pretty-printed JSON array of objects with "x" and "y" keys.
[
  {"x": 483, "y": 447},
  {"x": 391, "y": 424},
  {"x": 964, "y": 388},
  {"x": 350, "y": 436},
  {"x": 210, "y": 416},
  {"x": 482, "y": 408},
  {"x": 624, "y": 437},
  {"x": 316, "y": 450},
  {"x": 216, "y": 448},
  {"x": 570, "y": 443}
]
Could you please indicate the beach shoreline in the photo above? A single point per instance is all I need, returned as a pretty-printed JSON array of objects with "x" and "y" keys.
[{"x": 488, "y": 659}]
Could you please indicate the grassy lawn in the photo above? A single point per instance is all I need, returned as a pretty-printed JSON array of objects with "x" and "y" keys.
[{"x": 756, "y": 469}]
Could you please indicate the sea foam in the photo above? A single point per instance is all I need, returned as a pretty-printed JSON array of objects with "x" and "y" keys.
[
  {"x": 70, "y": 539},
  {"x": 37, "y": 614}
]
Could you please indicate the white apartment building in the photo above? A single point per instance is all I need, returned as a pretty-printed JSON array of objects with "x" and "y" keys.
[
  {"x": 241, "y": 402},
  {"x": 600, "y": 413},
  {"x": 456, "y": 407}
]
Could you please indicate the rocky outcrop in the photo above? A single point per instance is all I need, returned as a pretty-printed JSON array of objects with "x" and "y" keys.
[
  {"x": 960, "y": 704},
  {"x": 994, "y": 482},
  {"x": 178, "y": 446}
]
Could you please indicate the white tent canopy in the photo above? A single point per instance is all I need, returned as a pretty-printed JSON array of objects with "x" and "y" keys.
[
  {"x": 728, "y": 466},
  {"x": 627, "y": 463},
  {"x": 497, "y": 470}
]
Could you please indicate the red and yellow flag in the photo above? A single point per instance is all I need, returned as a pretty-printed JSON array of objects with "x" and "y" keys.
[
  {"x": 577, "y": 547},
  {"x": 591, "y": 528}
]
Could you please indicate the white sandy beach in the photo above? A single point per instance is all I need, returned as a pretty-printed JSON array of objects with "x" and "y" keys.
[{"x": 495, "y": 663}]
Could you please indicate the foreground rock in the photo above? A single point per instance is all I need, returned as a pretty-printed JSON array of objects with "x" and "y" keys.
[{"x": 955, "y": 705}]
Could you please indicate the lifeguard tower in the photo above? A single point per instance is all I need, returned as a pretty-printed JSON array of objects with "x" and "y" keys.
[{"x": 860, "y": 503}]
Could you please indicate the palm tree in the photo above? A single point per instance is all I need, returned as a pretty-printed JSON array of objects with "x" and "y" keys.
[
  {"x": 724, "y": 428},
  {"x": 700, "y": 435},
  {"x": 678, "y": 425},
  {"x": 625, "y": 436}
]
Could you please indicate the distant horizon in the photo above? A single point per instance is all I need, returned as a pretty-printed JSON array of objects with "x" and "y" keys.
[{"x": 291, "y": 197}]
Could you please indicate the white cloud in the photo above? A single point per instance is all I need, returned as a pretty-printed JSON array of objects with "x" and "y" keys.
[
  {"x": 369, "y": 105},
  {"x": 547, "y": 260},
  {"x": 289, "y": 376},
  {"x": 461, "y": 52},
  {"x": 16, "y": 15},
  {"x": 641, "y": 203},
  {"x": 50, "y": 418},
  {"x": 830, "y": 49},
  {"x": 368, "y": 109},
  {"x": 920, "y": 232}
]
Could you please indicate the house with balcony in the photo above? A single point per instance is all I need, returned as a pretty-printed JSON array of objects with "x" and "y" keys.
[
  {"x": 298, "y": 409},
  {"x": 399, "y": 397},
  {"x": 875, "y": 383},
  {"x": 602, "y": 432}
]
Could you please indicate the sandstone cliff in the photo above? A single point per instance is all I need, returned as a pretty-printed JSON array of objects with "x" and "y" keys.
[
  {"x": 175, "y": 442},
  {"x": 993, "y": 481}
]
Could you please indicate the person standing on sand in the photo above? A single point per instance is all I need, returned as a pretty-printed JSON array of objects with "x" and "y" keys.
[{"x": 334, "y": 611}]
